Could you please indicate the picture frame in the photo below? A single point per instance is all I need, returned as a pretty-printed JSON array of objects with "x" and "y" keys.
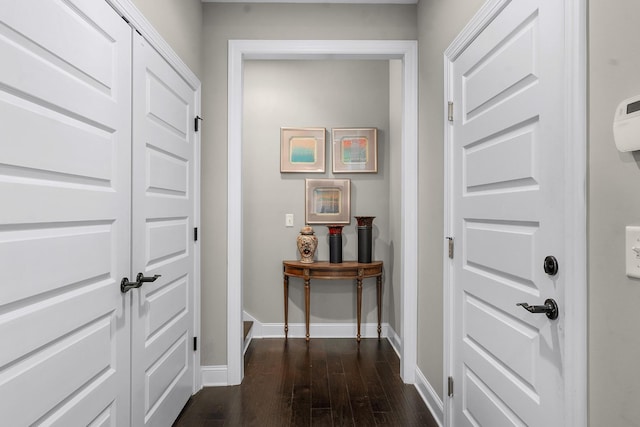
[
  {"x": 327, "y": 201},
  {"x": 355, "y": 150},
  {"x": 302, "y": 150}
]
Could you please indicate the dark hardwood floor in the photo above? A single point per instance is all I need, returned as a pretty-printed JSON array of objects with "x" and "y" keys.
[{"x": 327, "y": 382}]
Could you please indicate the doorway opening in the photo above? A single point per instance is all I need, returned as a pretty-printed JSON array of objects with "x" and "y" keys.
[{"x": 406, "y": 51}]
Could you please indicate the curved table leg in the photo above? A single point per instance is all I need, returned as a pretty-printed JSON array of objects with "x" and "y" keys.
[
  {"x": 307, "y": 303},
  {"x": 359, "y": 304},
  {"x": 379, "y": 289}
]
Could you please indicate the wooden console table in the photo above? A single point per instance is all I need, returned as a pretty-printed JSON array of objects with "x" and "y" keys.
[{"x": 327, "y": 271}]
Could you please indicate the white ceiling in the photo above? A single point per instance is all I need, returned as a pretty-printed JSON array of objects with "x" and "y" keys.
[{"x": 316, "y": 1}]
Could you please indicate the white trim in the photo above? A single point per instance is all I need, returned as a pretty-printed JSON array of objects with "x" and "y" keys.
[
  {"x": 430, "y": 397},
  {"x": 235, "y": 340},
  {"x": 321, "y": 330},
  {"x": 394, "y": 340},
  {"x": 214, "y": 376},
  {"x": 317, "y": 2},
  {"x": 197, "y": 383},
  {"x": 576, "y": 316},
  {"x": 576, "y": 372},
  {"x": 407, "y": 50}
]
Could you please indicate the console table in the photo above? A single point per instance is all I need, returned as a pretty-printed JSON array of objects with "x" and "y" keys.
[{"x": 328, "y": 271}]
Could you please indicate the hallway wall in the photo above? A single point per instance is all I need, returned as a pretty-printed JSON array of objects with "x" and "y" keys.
[
  {"x": 180, "y": 24},
  {"x": 319, "y": 93},
  {"x": 439, "y": 22},
  {"x": 613, "y": 203}
]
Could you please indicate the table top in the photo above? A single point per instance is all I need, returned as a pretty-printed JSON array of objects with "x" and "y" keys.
[{"x": 327, "y": 270}]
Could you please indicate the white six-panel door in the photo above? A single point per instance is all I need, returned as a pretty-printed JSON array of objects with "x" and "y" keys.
[
  {"x": 163, "y": 242},
  {"x": 508, "y": 212},
  {"x": 65, "y": 147}
]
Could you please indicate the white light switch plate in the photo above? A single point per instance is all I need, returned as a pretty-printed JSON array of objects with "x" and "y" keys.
[
  {"x": 288, "y": 220},
  {"x": 632, "y": 251}
]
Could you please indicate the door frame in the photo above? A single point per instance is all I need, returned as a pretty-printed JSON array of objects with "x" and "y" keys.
[
  {"x": 407, "y": 51},
  {"x": 576, "y": 208},
  {"x": 137, "y": 21}
]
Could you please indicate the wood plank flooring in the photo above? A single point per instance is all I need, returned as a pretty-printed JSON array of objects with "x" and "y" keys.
[{"x": 327, "y": 382}]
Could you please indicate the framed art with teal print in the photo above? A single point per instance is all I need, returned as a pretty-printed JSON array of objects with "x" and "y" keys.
[{"x": 302, "y": 150}]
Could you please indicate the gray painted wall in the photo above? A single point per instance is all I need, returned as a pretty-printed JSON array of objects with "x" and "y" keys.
[
  {"x": 223, "y": 22},
  {"x": 310, "y": 94},
  {"x": 614, "y": 202},
  {"x": 180, "y": 24},
  {"x": 439, "y": 22}
]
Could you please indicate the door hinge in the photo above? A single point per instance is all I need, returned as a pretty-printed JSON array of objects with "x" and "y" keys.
[
  {"x": 195, "y": 343},
  {"x": 195, "y": 234},
  {"x": 450, "y": 387},
  {"x": 196, "y": 124},
  {"x": 450, "y": 115},
  {"x": 450, "y": 239}
]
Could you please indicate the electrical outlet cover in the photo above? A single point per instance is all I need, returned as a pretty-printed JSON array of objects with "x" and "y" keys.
[{"x": 632, "y": 250}]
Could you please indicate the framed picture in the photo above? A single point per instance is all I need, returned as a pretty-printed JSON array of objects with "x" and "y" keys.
[
  {"x": 302, "y": 149},
  {"x": 355, "y": 150},
  {"x": 327, "y": 201}
]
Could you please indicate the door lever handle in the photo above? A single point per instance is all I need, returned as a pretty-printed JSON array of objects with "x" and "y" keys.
[
  {"x": 126, "y": 285},
  {"x": 550, "y": 308},
  {"x": 142, "y": 279}
]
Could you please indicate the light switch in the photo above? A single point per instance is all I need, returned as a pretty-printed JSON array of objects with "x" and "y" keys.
[
  {"x": 632, "y": 251},
  {"x": 288, "y": 220}
]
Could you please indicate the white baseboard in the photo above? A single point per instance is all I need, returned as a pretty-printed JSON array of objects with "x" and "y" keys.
[
  {"x": 394, "y": 340},
  {"x": 213, "y": 376},
  {"x": 430, "y": 397},
  {"x": 320, "y": 330}
]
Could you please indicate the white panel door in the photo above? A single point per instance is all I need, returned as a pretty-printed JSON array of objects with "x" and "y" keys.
[
  {"x": 508, "y": 212},
  {"x": 65, "y": 148},
  {"x": 163, "y": 244}
]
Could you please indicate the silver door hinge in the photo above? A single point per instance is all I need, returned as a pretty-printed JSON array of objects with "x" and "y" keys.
[
  {"x": 450, "y": 116},
  {"x": 450, "y": 387},
  {"x": 450, "y": 239}
]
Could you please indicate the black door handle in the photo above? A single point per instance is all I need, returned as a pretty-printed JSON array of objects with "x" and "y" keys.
[
  {"x": 550, "y": 308},
  {"x": 142, "y": 279},
  {"x": 126, "y": 285}
]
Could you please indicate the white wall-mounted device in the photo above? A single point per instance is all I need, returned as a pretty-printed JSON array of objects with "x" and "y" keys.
[{"x": 626, "y": 125}]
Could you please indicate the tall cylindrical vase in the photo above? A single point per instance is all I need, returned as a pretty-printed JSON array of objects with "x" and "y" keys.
[
  {"x": 365, "y": 238},
  {"x": 335, "y": 243}
]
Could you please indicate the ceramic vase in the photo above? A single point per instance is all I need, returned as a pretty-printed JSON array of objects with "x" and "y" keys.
[
  {"x": 307, "y": 244},
  {"x": 335, "y": 243},
  {"x": 365, "y": 238}
]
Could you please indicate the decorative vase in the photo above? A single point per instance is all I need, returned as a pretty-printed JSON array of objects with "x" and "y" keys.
[
  {"x": 307, "y": 244},
  {"x": 335, "y": 243},
  {"x": 365, "y": 237}
]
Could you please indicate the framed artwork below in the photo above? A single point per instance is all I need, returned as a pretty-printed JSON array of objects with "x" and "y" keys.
[
  {"x": 327, "y": 201},
  {"x": 302, "y": 150},
  {"x": 355, "y": 150}
]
